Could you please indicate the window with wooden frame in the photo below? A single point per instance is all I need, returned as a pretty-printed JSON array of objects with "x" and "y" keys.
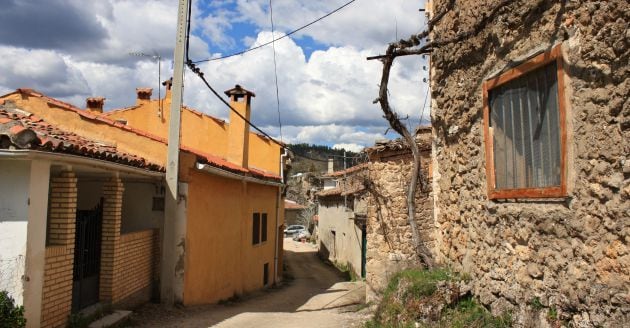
[
  {"x": 525, "y": 132},
  {"x": 259, "y": 228},
  {"x": 256, "y": 229}
]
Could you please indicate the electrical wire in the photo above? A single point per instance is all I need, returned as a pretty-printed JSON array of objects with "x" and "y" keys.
[
  {"x": 191, "y": 65},
  {"x": 275, "y": 67},
  {"x": 273, "y": 39}
]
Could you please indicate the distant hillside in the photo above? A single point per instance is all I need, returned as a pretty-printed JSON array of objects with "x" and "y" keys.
[{"x": 317, "y": 158}]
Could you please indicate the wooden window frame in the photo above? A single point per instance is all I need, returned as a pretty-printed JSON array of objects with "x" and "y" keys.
[
  {"x": 555, "y": 54},
  {"x": 256, "y": 232}
]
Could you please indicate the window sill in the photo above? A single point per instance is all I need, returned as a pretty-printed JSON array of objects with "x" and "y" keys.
[
  {"x": 529, "y": 193},
  {"x": 260, "y": 244}
]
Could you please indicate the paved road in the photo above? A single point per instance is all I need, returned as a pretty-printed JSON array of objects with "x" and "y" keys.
[{"x": 316, "y": 297}]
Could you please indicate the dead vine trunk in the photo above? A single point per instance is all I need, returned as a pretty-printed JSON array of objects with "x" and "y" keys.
[
  {"x": 408, "y": 47},
  {"x": 410, "y": 140}
]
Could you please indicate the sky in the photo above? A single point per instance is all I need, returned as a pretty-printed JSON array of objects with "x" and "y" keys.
[{"x": 74, "y": 49}]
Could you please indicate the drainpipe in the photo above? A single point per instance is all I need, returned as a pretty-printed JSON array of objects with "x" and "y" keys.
[{"x": 275, "y": 259}]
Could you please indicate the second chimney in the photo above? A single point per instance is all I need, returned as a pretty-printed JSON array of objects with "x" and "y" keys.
[
  {"x": 238, "y": 133},
  {"x": 95, "y": 104},
  {"x": 330, "y": 166},
  {"x": 144, "y": 95},
  {"x": 168, "y": 85}
]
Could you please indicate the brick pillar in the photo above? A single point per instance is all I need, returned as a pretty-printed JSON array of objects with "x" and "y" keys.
[
  {"x": 57, "y": 293},
  {"x": 63, "y": 210},
  {"x": 110, "y": 242}
]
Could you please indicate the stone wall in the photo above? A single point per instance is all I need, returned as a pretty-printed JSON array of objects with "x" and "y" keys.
[
  {"x": 568, "y": 254},
  {"x": 389, "y": 239}
]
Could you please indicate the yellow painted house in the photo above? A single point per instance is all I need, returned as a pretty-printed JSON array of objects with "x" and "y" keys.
[
  {"x": 230, "y": 197},
  {"x": 223, "y": 211}
]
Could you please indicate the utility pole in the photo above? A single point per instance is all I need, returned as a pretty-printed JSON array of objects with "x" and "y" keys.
[{"x": 171, "y": 280}]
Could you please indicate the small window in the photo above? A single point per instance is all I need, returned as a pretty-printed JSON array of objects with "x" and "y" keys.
[
  {"x": 256, "y": 229},
  {"x": 525, "y": 131},
  {"x": 263, "y": 230},
  {"x": 265, "y": 274},
  {"x": 158, "y": 204}
]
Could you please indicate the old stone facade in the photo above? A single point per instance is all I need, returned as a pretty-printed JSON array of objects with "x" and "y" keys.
[
  {"x": 389, "y": 239},
  {"x": 568, "y": 254}
]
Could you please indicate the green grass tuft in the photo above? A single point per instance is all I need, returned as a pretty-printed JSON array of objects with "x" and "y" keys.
[{"x": 404, "y": 289}]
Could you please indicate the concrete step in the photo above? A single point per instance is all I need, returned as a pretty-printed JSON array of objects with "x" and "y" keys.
[{"x": 111, "y": 319}]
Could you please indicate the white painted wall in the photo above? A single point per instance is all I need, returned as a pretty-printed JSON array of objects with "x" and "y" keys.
[
  {"x": 344, "y": 246},
  {"x": 36, "y": 242},
  {"x": 137, "y": 212},
  {"x": 14, "y": 191}
]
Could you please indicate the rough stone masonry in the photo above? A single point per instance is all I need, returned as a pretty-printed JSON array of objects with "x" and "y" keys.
[
  {"x": 568, "y": 255},
  {"x": 389, "y": 238}
]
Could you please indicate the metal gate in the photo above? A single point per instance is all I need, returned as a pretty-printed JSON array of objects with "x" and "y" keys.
[{"x": 87, "y": 257}]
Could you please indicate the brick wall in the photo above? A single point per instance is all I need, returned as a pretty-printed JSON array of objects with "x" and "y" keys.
[
  {"x": 110, "y": 242},
  {"x": 138, "y": 260},
  {"x": 57, "y": 293}
]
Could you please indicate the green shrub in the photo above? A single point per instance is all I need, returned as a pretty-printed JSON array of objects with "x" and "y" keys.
[
  {"x": 11, "y": 316},
  {"x": 410, "y": 287}
]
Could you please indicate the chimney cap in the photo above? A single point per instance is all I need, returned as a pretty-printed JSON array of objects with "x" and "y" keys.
[
  {"x": 95, "y": 101},
  {"x": 168, "y": 83},
  {"x": 239, "y": 91}
]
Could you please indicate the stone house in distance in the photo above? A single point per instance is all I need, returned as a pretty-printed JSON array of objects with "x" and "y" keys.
[
  {"x": 342, "y": 211},
  {"x": 363, "y": 215},
  {"x": 531, "y": 136}
]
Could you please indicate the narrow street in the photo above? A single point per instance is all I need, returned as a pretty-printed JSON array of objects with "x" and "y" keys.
[{"x": 315, "y": 296}]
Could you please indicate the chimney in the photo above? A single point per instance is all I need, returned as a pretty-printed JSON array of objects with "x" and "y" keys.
[
  {"x": 330, "y": 166},
  {"x": 238, "y": 133},
  {"x": 168, "y": 85},
  {"x": 95, "y": 104},
  {"x": 144, "y": 95}
]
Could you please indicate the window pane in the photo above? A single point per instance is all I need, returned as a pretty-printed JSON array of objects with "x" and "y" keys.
[
  {"x": 264, "y": 228},
  {"x": 256, "y": 229},
  {"x": 524, "y": 116}
]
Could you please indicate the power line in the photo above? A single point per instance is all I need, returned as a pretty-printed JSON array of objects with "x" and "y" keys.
[
  {"x": 273, "y": 39},
  {"x": 275, "y": 68},
  {"x": 191, "y": 65}
]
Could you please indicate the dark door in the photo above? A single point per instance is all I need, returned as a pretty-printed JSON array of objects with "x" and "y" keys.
[
  {"x": 87, "y": 258},
  {"x": 363, "y": 250}
]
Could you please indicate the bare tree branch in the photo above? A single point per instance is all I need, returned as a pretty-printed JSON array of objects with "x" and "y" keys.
[{"x": 406, "y": 48}]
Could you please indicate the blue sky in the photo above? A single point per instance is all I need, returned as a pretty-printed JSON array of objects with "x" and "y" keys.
[{"x": 76, "y": 49}]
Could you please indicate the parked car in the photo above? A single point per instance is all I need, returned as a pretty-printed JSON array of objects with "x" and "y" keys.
[
  {"x": 302, "y": 235},
  {"x": 293, "y": 230}
]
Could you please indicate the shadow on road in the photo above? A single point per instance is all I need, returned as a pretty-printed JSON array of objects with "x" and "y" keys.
[{"x": 312, "y": 285}]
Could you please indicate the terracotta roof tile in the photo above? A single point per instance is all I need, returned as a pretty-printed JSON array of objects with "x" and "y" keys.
[
  {"x": 347, "y": 171},
  {"x": 27, "y": 131},
  {"x": 203, "y": 157},
  {"x": 290, "y": 205}
]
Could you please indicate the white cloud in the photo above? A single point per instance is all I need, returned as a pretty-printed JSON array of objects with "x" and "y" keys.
[
  {"x": 324, "y": 98},
  {"x": 351, "y": 147},
  {"x": 44, "y": 70},
  {"x": 364, "y": 23}
]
